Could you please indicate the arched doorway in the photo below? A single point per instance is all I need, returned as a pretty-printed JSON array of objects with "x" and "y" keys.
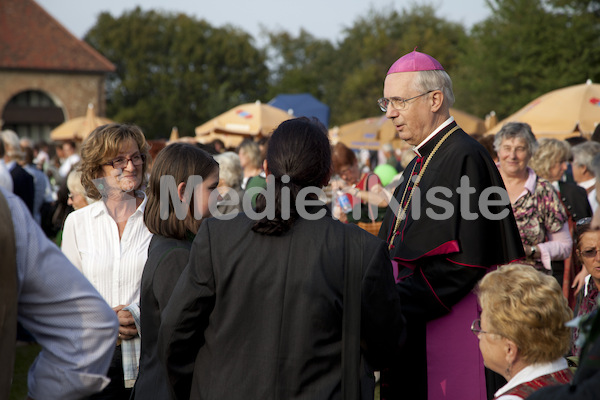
[{"x": 32, "y": 114}]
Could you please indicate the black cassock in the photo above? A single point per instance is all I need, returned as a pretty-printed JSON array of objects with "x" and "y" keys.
[{"x": 444, "y": 251}]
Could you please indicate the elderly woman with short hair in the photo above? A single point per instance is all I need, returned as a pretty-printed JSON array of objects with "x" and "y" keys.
[
  {"x": 522, "y": 333},
  {"x": 230, "y": 180},
  {"x": 540, "y": 216}
]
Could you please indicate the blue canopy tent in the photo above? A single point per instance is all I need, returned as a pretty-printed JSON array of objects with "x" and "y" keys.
[{"x": 302, "y": 105}]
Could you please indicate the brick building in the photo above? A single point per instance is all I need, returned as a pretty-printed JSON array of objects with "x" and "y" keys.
[{"x": 47, "y": 75}]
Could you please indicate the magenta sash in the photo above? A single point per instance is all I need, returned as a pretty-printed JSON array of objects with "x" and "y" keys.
[{"x": 454, "y": 363}]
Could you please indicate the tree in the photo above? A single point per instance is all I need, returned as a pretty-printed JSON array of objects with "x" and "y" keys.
[
  {"x": 174, "y": 70},
  {"x": 370, "y": 47},
  {"x": 524, "y": 49},
  {"x": 298, "y": 64}
]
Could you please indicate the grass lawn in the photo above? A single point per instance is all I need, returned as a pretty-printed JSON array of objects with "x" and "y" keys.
[{"x": 23, "y": 358}]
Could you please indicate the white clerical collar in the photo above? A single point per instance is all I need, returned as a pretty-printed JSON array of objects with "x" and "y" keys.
[{"x": 428, "y": 138}]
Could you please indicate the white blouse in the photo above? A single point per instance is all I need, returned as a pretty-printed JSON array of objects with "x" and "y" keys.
[
  {"x": 530, "y": 373},
  {"x": 91, "y": 242}
]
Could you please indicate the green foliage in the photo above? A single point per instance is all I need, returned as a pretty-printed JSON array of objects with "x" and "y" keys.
[
  {"x": 173, "y": 70},
  {"x": 525, "y": 49},
  {"x": 370, "y": 47}
]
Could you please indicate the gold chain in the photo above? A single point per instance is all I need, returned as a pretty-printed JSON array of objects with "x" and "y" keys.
[{"x": 403, "y": 210}]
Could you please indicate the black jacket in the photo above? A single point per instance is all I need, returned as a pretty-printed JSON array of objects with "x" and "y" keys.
[{"x": 262, "y": 315}]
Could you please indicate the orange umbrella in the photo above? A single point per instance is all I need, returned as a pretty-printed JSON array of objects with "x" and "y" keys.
[
  {"x": 251, "y": 119},
  {"x": 570, "y": 111},
  {"x": 372, "y": 133},
  {"x": 80, "y": 127}
]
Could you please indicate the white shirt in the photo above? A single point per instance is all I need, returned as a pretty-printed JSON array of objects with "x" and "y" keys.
[
  {"x": 529, "y": 373},
  {"x": 65, "y": 314},
  {"x": 91, "y": 241},
  {"x": 6, "y": 181},
  {"x": 592, "y": 194},
  {"x": 66, "y": 166}
]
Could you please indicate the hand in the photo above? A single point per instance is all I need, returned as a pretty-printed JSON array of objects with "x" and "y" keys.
[
  {"x": 579, "y": 280},
  {"x": 127, "y": 328}
]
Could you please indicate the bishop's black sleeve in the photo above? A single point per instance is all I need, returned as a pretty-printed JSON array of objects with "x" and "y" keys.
[{"x": 435, "y": 285}]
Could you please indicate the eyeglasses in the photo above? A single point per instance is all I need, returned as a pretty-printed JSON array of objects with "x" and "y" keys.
[
  {"x": 397, "y": 102},
  {"x": 590, "y": 253},
  {"x": 476, "y": 327},
  {"x": 121, "y": 162}
]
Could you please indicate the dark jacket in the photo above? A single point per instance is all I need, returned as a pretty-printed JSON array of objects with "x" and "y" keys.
[
  {"x": 23, "y": 185},
  {"x": 262, "y": 315},
  {"x": 586, "y": 382},
  {"x": 575, "y": 200},
  {"x": 166, "y": 259}
]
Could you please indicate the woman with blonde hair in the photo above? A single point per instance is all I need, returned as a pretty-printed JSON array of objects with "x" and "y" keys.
[
  {"x": 550, "y": 162},
  {"x": 108, "y": 241},
  {"x": 77, "y": 196},
  {"x": 522, "y": 333}
]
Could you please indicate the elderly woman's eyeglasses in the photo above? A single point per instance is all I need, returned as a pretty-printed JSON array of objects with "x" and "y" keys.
[
  {"x": 589, "y": 253},
  {"x": 121, "y": 162},
  {"x": 397, "y": 102},
  {"x": 476, "y": 327}
]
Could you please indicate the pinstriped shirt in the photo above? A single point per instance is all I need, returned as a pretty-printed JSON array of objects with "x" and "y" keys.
[{"x": 114, "y": 266}]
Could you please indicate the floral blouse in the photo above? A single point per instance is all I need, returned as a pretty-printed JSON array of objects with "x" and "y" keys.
[
  {"x": 586, "y": 303},
  {"x": 538, "y": 212}
]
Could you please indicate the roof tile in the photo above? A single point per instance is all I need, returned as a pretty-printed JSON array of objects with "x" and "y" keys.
[{"x": 30, "y": 38}]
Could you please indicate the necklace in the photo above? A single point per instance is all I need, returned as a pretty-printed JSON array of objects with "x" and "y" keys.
[{"x": 402, "y": 210}]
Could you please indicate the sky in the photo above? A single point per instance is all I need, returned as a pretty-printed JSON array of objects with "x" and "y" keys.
[{"x": 323, "y": 19}]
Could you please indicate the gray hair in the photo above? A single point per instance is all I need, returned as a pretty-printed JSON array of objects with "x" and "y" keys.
[
  {"x": 436, "y": 80},
  {"x": 252, "y": 150},
  {"x": 584, "y": 153},
  {"x": 516, "y": 130},
  {"x": 12, "y": 145},
  {"x": 596, "y": 165},
  {"x": 230, "y": 169},
  {"x": 74, "y": 185}
]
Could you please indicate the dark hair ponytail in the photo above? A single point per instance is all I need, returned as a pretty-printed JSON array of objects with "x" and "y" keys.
[{"x": 299, "y": 156}]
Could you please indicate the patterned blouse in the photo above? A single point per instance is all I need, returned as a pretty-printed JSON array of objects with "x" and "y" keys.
[
  {"x": 586, "y": 303},
  {"x": 538, "y": 212}
]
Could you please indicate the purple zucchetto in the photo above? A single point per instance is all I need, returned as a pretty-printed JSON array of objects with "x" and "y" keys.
[{"x": 415, "y": 61}]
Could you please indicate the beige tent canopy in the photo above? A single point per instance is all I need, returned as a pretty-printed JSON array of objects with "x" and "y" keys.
[
  {"x": 246, "y": 120},
  {"x": 570, "y": 111},
  {"x": 80, "y": 127}
]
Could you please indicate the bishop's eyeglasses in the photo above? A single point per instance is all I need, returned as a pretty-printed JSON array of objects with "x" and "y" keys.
[{"x": 398, "y": 103}]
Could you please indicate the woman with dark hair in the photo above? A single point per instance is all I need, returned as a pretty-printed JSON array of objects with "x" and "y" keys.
[
  {"x": 358, "y": 187},
  {"x": 259, "y": 307},
  {"x": 170, "y": 246},
  {"x": 108, "y": 241},
  {"x": 587, "y": 243}
]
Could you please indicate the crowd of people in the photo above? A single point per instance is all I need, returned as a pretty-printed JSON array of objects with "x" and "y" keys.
[{"x": 187, "y": 271}]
